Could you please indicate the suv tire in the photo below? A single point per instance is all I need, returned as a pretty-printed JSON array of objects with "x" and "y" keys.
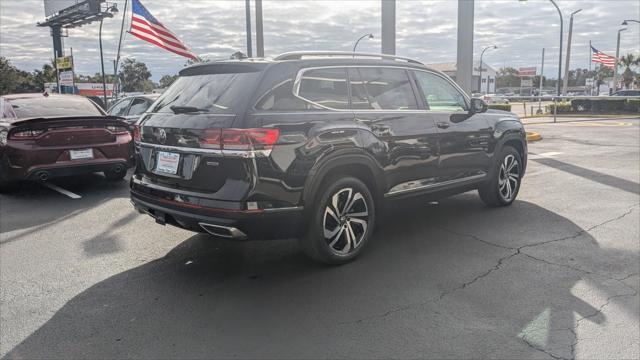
[
  {"x": 502, "y": 187},
  {"x": 341, "y": 221}
]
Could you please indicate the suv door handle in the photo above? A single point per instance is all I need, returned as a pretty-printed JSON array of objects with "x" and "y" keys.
[{"x": 443, "y": 125}]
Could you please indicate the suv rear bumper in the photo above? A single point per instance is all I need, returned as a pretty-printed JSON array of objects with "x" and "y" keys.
[{"x": 231, "y": 223}]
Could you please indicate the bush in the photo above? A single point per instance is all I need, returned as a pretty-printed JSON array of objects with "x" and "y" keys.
[
  {"x": 633, "y": 105},
  {"x": 594, "y": 106},
  {"x": 504, "y": 107},
  {"x": 563, "y": 108}
]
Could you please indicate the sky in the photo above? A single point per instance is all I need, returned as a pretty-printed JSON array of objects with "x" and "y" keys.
[{"x": 426, "y": 30}]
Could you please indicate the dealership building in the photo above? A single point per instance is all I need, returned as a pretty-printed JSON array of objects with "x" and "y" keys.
[{"x": 488, "y": 75}]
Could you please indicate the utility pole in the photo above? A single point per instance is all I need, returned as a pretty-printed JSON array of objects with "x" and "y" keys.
[
  {"x": 259, "y": 32},
  {"x": 388, "y": 26},
  {"x": 248, "y": 21},
  {"x": 464, "y": 64},
  {"x": 541, "y": 82},
  {"x": 615, "y": 66},
  {"x": 566, "y": 65}
]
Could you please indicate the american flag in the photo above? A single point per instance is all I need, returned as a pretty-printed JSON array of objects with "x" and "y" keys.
[
  {"x": 602, "y": 58},
  {"x": 146, "y": 27}
]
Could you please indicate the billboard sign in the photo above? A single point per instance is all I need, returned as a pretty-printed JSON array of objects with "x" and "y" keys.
[
  {"x": 527, "y": 71},
  {"x": 64, "y": 63},
  {"x": 66, "y": 78},
  {"x": 526, "y": 82},
  {"x": 52, "y": 7}
]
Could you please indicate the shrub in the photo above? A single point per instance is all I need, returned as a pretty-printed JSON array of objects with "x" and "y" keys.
[
  {"x": 563, "y": 107},
  {"x": 504, "y": 107},
  {"x": 633, "y": 105}
]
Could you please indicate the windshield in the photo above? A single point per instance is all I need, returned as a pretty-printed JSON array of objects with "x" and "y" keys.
[
  {"x": 50, "y": 106},
  {"x": 210, "y": 93}
]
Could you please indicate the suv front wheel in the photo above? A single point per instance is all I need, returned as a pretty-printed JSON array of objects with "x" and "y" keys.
[
  {"x": 341, "y": 223},
  {"x": 502, "y": 187}
]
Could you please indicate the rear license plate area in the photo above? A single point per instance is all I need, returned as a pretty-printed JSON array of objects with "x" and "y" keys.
[
  {"x": 167, "y": 162},
  {"x": 81, "y": 154}
]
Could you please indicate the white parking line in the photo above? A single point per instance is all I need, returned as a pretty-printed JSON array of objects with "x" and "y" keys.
[
  {"x": 544, "y": 155},
  {"x": 61, "y": 190}
]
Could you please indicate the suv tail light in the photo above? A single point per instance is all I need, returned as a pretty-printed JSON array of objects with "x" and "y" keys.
[
  {"x": 137, "y": 136},
  {"x": 239, "y": 139},
  {"x": 26, "y": 134}
]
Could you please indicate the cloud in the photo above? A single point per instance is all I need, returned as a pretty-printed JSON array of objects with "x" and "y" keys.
[{"x": 426, "y": 30}]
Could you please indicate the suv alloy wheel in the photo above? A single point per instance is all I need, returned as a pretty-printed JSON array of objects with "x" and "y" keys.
[
  {"x": 502, "y": 187},
  {"x": 342, "y": 221}
]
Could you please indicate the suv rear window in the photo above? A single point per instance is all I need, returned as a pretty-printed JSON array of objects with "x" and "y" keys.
[{"x": 213, "y": 93}]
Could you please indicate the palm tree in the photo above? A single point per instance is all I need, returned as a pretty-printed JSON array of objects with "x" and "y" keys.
[{"x": 627, "y": 61}]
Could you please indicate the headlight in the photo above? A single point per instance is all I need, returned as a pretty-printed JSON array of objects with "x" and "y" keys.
[{"x": 3, "y": 137}]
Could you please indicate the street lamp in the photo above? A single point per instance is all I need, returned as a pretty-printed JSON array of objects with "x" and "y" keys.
[
  {"x": 111, "y": 9},
  {"x": 560, "y": 49},
  {"x": 370, "y": 36},
  {"x": 615, "y": 66},
  {"x": 481, "y": 55},
  {"x": 626, "y": 22},
  {"x": 566, "y": 65}
]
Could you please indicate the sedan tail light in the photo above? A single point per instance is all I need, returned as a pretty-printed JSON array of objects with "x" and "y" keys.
[
  {"x": 240, "y": 139},
  {"x": 26, "y": 134},
  {"x": 117, "y": 129}
]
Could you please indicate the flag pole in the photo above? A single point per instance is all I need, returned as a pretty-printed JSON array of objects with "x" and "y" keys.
[
  {"x": 116, "y": 63},
  {"x": 590, "y": 60}
]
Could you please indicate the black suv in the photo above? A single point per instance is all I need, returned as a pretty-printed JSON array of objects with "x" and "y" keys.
[{"x": 310, "y": 145}]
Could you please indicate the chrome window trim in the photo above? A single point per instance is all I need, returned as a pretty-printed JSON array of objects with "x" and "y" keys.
[
  {"x": 392, "y": 192},
  {"x": 298, "y": 78},
  {"x": 245, "y": 154}
]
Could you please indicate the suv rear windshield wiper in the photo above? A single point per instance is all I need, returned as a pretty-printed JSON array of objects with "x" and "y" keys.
[{"x": 186, "y": 109}]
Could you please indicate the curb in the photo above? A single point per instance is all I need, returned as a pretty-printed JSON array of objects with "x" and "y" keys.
[{"x": 533, "y": 136}]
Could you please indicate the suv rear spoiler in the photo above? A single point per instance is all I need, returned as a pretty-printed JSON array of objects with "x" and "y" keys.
[{"x": 36, "y": 120}]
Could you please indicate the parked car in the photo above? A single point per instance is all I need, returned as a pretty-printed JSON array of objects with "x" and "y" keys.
[
  {"x": 132, "y": 107},
  {"x": 494, "y": 99},
  {"x": 626, "y": 93},
  {"x": 312, "y": 145},
  {"x": 44, "y": 136}
]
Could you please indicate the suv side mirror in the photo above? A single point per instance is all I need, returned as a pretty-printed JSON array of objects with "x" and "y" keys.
[{"x": 478, "y": 106}]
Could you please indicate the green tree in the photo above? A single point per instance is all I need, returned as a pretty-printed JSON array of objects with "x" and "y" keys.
[
  {"x": 134, "y": 76},
  {"x": 167, "y": 80},
  {"x": 627, "y": 61}
]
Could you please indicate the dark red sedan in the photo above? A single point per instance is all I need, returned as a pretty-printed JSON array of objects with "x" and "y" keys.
[{"x": 44, "y": 136}]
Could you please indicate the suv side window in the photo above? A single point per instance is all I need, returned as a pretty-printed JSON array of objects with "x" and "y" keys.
[
  {"x": 381, "y": 89},
  {"x": 440, "y": 95},
  {"x": 324, "y": 88},
  {"x": 119, "y": 108}
]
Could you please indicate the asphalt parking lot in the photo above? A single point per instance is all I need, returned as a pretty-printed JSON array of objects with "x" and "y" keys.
[{"x": 556, "y": 275}]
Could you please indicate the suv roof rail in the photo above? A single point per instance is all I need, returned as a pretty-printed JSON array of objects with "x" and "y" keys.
[{"x": 297, "y": 55}]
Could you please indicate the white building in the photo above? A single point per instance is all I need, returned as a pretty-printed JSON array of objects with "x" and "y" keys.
[{"x": 479, "y": 85}]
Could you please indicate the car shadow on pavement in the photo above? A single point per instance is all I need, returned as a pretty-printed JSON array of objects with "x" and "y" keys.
[
  {"x": 453, "y": 279},
  {"x": 45, "y": 206}
]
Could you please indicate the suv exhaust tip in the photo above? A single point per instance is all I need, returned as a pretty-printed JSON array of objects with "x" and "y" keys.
[{"x": 223, "y": 231}]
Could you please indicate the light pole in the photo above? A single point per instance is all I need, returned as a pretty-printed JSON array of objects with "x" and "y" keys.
[
  {"x": 370, "y": 36},
  {"x": 481, "y": 55},
  {"x": 615, "y": 66},
  {"x": 560, "y": 49},
  {"x": 108, "y": 13},
  {"x": 566, "y": 65}
]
